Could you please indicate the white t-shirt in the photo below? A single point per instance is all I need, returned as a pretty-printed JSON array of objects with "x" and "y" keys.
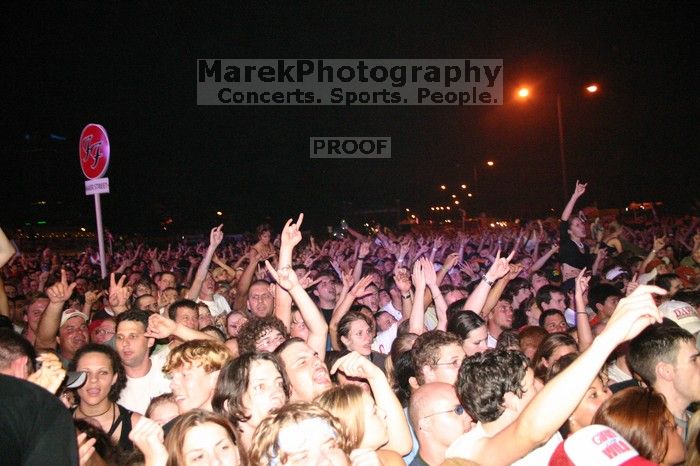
[
  {"x": 491, "y": 341},
  {"x": 389, "y": 307},
  {"x": 382, "y": 342},
  {"x": 464, "y": 446},
  {"x": 218, "y": 306},
  {"x": 138, "y": 391}
]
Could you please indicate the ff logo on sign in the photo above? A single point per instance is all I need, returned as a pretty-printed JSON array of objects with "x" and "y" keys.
[
  {"x": 350, "y": 148},
  {"x": 94, "y": 151}
]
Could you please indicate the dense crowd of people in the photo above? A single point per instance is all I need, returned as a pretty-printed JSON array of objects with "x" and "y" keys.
[{"x": 554, "y": 341}]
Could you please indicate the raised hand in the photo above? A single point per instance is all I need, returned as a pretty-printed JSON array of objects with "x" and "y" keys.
[
  {"x": 514, "y": 271},
  {"x": 580, "y": 189},
  {"x": 467, "y": 269},
  {"x": 360, "y": 288},
  {"x": 59, "y": 292},
  {"x": 51, "y": 374},
  {"x": 148, "y": 436},
  {"x": 348, "y": 280},
  {"x": 581, "y": 282},
  {"x": 417, "y": 275},
  {"x": 285, "y": 277},
  {"x": 216, "y": 236},
  {"x": 402, "y": 279},
  {"x": 118, "y": 293},
  {"x": 500, "y": 267},
  {"x": 160, "y": 327},
  {"x": 86, "y": 448},
  {"x": 91, "y": 297},
  {"x": 356, "y": 365},
  {"x": 428, "y": 270},
  {"x": 364, "y": 249},
  {"x": 659, "y": 243},
  {"x": 632, "y": 285},
  {"x": 634, "y": 313},
  {"x": 291, "y": 235},
  {"x": 451, "y": 261}
]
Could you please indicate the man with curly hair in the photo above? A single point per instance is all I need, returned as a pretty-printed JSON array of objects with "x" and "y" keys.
[{"x": 262, "y": 334}]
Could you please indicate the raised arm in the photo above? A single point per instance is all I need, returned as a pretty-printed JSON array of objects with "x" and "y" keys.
[
  {"x": 215, "y": 238},
  {"x": 416, "y": 322},
  {"x": 403, "y": 284},
  {"x": 318, "y": 329},
  {"x": 162, "y": 327},
  {"x": 361, "y": 256},
  {"x": 290, "y": 237},
  {"x": 545, "y": 257},
  {"x": 578, "y": 192},
  {"x": 51, "y": 318},
  {"x": 357, "y": 234},
  {"x": 498, "y": 269},
  {"x": 4, "y": 302},
  {"x": 246, "y": 279},
  {"x": 356, "y": 365},
  {"x": 583, "y": 325},
  {"x": 440, "y": 304},
  {"x": 7, "y": 250},
  {"x": 659, "y": 243}
]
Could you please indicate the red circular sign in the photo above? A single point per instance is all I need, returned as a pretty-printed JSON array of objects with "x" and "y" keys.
[{"x": 94, "y": 151}]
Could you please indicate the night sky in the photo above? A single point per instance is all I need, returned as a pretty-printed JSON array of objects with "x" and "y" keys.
[{"x": 132, "y": 68}]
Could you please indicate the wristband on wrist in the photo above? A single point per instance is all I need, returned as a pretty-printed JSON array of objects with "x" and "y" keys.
[
  {"x": 406, "y": 296},
  {"x": 361, "y": 258},
  {"x": 581, "y": 312},
  {"x": 487, "y": 281}
]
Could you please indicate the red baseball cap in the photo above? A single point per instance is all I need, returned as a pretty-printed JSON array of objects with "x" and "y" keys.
[{"x": 597, "y": 445}]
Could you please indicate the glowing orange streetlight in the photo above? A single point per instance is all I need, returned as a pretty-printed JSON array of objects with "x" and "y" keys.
[
  {"x": 464, "y": 186},
  {"x": 592, "y": 88},
  {"x": 523, "y": 92},
  {"x": 490, "y": 163}
]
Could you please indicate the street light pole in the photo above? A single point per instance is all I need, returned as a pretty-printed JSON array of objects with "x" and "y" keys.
[{"x": 562, "y": 156}]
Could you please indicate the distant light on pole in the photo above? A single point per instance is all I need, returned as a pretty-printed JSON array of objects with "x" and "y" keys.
[
  {"x": 523, "y": 92},
  {"x": 592, "y": 88},
  {"x": 454, "y": 196},
  {"x": 443, "y": 187},
  {"x": 469, "y": 195},
  {"x": 408, "y": 210},
  {"x": 456, "y": 202},
  {"x": 490, "y": 163},
  {"x": 464, "y": 186},
  {"x": 219, "y": 213}
]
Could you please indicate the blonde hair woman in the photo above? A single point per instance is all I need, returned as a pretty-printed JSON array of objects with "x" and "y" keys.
[{"x": 365, "y": 422}]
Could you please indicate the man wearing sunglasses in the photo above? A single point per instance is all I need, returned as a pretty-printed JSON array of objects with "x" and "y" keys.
[{"x": 439, "y": 419}]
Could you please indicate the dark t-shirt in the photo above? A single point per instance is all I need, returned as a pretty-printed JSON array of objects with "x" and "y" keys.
[
  {"x": 35, "y": 427},
  {"x": 569, "y": 253},
  {"x": 327, "y": 314}
]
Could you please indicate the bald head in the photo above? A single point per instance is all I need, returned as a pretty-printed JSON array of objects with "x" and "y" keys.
[
  {"x": 426, "y": 397},
  {"x": 437, "y": 417}
]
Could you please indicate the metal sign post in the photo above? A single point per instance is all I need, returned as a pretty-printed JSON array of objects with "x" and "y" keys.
[{"x": 94, "y": 160}]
